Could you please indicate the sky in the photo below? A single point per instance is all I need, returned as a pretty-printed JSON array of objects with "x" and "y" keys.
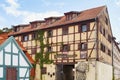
[{"x": 15, "y": 12}]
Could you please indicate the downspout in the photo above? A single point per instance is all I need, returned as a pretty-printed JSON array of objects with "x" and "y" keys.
[
  {"x": 112, "y": 60},
  {"x": 97, "y": 56}
]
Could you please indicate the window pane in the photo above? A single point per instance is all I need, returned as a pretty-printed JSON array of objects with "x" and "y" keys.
[
  {"x": 83, "y": 54},
  {"x": 84, "y": 28}
]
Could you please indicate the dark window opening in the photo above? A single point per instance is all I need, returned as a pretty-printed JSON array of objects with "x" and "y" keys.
[
  {"x": 25, "y": 38},
  {"x": 49, "y": 49},
  {"x": 65, "y": 48},
  {"x": 106, "y": 20},
  {"x": 65, "y": 31},
  {"x": 34, "y": 36},
  {"x": 82, "y": 46},
  {"x": 109, "y": 52},
  {"x": 102, "y": 47},
  {"x": 50, "y": 33},
  {"x": 44, "y": 70},
  {"x": 109, "y": 38}
]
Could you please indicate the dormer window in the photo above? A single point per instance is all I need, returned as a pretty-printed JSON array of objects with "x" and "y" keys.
[
  {"x": 51, "y": 20},
  {"x": 71, "y": 15},
  {"x": 35, "y": 24}
]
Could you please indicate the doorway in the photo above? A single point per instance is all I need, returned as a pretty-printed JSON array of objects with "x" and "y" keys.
[
  {"x": 11, "y": 73},
  {"x": 65, "y": 72}
]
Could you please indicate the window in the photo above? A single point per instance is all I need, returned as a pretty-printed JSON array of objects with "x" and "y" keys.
[
  {"x": 65, "y": 48},
  {"x": 25, "y": 38},
  {"x": 33, "y": 50},
  {"x": 65, "y": 31},
  {"x": 109, "y": 38},
  {"x": 109, "y": 53},
  {"x": 83, "y": 54},
  {"x": 84, "y": 28},
  {"x": 34, "y": 36},
  {"x": 102, "y": 47},
  {"x": 49, "y": 49},
  {"x": 82, "y": 46},
  {"x": 50, "y": 34},
  {"x": 106, "y": 20},
  {"x": 44, "y": 70}
]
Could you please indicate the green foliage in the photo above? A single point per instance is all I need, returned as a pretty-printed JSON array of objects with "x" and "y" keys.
[{"x": 42, "y": 57}]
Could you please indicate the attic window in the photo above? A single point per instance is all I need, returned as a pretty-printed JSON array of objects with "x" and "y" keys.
[
  {"x": 71, "y": 15},
  {"x": 50, "y": 20},
  {"x": 16, "y": 29}
]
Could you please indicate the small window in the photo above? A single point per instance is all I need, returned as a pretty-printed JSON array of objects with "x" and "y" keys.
[
  {"x": 83, "y": 54},
  {"x": 106, "y": 20},
  {"x": 65, "y": 48},
  {"x": 109, "y": 38},
  {"x": 102, "y": 47},
  {"x": 34, "y": 25},
  {"x": 65, "y": 31},
  {"x": 44, "y": 70},
  {"x": 33, "y": 51},
  {"x": 25, "y": 38},
  {"x": 34, "y": 36},
  {"x": 109, "y": 52},
  {"x": 84, "y": 28},
  {"x": 82, "y": 46},
  {"x": 49, "y": 49},
  {"x": 50, "y": 34}
]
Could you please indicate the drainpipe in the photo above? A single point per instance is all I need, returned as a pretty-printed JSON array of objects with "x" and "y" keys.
[
  {"x": 112, "y": 59},
  {"x": 97, "y": 56}
]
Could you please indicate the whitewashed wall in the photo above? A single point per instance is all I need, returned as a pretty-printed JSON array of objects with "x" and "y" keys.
[
  {"x": 98, "y": 71},
  {"x": 104, "y": 71}
]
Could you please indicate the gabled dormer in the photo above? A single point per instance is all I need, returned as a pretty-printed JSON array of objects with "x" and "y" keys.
[
  {"x": 51, "y": 20},
  {"x": 71, "y": 15},
  {"x": 35, "y": 24},
  {"x": 17, "y": 28}
]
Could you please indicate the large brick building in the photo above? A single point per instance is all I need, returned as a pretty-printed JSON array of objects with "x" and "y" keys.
[{"x": 86, "y": 39}]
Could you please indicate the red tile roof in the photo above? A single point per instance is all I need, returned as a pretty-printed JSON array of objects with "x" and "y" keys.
[
  {"x": 3, "y": 38},
  {"x": 84, "y": 15}
]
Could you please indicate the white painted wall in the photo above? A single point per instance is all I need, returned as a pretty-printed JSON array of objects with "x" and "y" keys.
[
  {"x": 7, "y": 59},
  {"x": 1, "y": 72},
  {"x": 1, "y": 57},
  {"x": 23, "y": 62},
  {"x": 104, "y": 71},
  {"x": 98, "y": 71}
]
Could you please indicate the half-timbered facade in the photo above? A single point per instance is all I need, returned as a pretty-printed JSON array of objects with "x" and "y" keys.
[
  {"x": 77, "y": 36},
  {"x": 14, "y": 65}
]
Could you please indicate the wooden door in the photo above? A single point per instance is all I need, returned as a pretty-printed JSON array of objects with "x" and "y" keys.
[{"x": 11, "y": 73}]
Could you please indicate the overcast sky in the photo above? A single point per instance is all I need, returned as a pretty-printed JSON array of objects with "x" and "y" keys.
[{"x": 14, "y": 12}]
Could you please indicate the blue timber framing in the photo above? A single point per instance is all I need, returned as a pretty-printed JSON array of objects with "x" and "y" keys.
[{"x": 12, "y": 41}]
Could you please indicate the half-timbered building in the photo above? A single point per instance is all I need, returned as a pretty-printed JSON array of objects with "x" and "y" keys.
[
  {"x": 14, "y": 65},
  {"x": 81, "y": 39}
]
